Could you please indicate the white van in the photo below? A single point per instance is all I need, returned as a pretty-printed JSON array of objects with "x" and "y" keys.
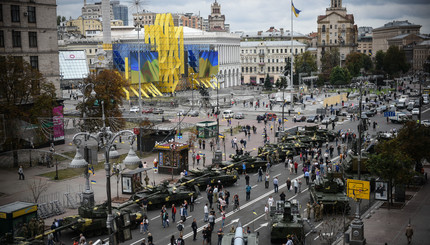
[{"x": 227, "y": 114}]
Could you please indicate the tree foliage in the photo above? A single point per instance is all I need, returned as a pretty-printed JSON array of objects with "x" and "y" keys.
[
  {"x": 267, "y": 83},
  {"x": 25, "y": 96},
  {"x": 305, "y": 63},
  {"x": 339, "y": 76},
  {"x": 108, "y": 86},
  {"x": 281, "y": 83},
  {"x": 426, "y": 65},
  {"x": 395, "y": 61},
  {"x": 379, "y": 60},
  {"x": 329, "y": 60},
  {"x": 355, "y": 61}
]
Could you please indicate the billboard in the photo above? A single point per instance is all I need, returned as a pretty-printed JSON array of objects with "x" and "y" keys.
[
  {"x": 358, "y": 189},
  {"x": 58, "y": 123},
  {"x": 149, "y": 67},
  {"x": 381, "y": 192},
  {"x": 208, "y": 63}
]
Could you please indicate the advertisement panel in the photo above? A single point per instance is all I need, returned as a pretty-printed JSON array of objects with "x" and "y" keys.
[
  {"x": 381, "y": 191},
  {"x": 149, "y": 67},
  {"x": 57, "y": 118}
]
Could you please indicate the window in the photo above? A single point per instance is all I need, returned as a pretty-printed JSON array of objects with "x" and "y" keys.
[
  {"x": 32, "y": 39},
  {"x": 34, "y": 62},
  {"x": 273, "y": 51},
  {"x": 331, "y": 27},
  {"x": 323, "y": 28},
  {"x": 335, "y": 26},
  {"x": 31, "y": 11},
  {"x": 1, "y": 38},
  {"x": 246, "y": 69},
  {"x": 277, "y": 69},
  {"x": 255, "y": 51},
  {"x": 16, "y": 39},
  {"x": 277, "y": 50},
  {"x": 1, "y": 12},
  {"x": 296, "y": 51},
  {"x": 286, "y": 51},
  {"x": 14, "y": 12},
  {"x": 268, "y": 51},
  {"x": 255, "y": 69},
  {"x": 243, "y": 69}
]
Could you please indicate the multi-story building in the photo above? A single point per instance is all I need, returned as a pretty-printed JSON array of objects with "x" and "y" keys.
[
  {"x": 28, "y": 29},
  {"x": 273, "y": 34},
  {"x": 120, "y": 12},
  {"x": 262, "y": 58},
  {"x": 94, "y": 11},
  {"x": 336, "y": 30},
  {"x": 390, "y": 30},
  {"x": 216, "y": 20},
  {"x": 90, "y": 27},
  {"x": 421, "y": 53},
  {"x": 179, "y": 19},
  {"x": 364, "y": 40}
]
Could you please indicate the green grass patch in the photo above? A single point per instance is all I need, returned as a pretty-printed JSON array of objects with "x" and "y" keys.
[{"x": 61, "y": 158}]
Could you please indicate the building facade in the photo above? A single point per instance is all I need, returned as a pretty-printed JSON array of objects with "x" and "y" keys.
[
  {"x": 28, "y": 29},
  {"x": 120, "y": 12},
  {"x": 216, "y": 20},
  {"x": 364, "y": 40},
  {"x": 273, "y": 34},
  {"x": 390, "y": 30},
  {"x": 421, "y": 53},
  {"x": 179, "y": 19},
  {"x": 336, "y": 30},
  {"x": 90, "y": 27},
  {"x": 262, "y": 58}
]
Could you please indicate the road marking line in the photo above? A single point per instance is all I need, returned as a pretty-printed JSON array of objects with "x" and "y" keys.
[
  {"x": 155, "y": 217},
  {"x": 187, "y": 218},
  {"x": 316, "y": 238},
  {"x": 276, "y": 175},
  {"x": 254, "y": 186},
  {"x": 199, "y": 198}
]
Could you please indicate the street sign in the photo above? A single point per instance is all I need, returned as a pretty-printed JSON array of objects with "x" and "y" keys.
[
  {"x": 358, "y": 189},
  {"x": 389, "y": 114}
]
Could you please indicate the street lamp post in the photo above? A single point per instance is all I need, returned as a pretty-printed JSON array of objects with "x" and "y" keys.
[
  {"x": 105, "y": 139},
  {"x": 357, "y": 226},
  {"x": 218, "y": 153}
]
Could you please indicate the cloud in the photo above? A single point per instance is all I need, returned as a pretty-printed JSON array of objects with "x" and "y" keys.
[{"x": 255, "y": 15}]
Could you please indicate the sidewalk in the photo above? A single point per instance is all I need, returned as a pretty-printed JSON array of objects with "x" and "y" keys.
[{"x": 388, "y": 226}]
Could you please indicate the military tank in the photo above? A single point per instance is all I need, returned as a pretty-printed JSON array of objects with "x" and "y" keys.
[
  {"x": 91, "y": 221},
  {"x": 330, "y": 191},
  {"x": 281, "y": 150},
  {"x": 286, "y": 221},
  {"x": 252, "y": 163},
  {"x": 203, "y": 177},
  {"x": 165, "y": 193}
]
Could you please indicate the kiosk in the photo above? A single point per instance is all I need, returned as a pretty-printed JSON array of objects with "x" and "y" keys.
[
  {"x": 207, "y": 129},
  {"x": 172, "y": 156},
  {"x": 131, "y": 181},
  {"x": 14, "y": 215}
]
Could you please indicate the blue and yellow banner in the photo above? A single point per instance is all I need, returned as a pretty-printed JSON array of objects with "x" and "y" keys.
[
  {"x": 93, "y": 182},
  {"x": 295, "y": 11}
]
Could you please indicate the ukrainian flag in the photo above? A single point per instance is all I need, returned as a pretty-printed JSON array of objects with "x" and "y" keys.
[
  {"x": 253, "y": 211},
  {"x": 295, "y": 11},
  {"x": 221, "y": 136},
  {"x": 93, "y": 182}
]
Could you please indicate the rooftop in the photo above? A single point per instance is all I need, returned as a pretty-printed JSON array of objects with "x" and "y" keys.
[
  {"x": 271, "y": 44},
  {"x": 397, "y": 23}
]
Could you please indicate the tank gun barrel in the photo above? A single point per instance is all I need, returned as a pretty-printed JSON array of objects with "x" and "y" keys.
[{"x": 40, "y": 236}]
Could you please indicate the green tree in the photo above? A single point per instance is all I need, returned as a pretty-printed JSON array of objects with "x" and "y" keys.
[
  {"x": 267, "y": 83},
  {"x": 391, "y": 164},
  {"x": 25, "y": 97},
  {"x": 379, "y": 60},
  {"x": 395, "y": 61},
  {"x": 305, "y": 63},
  {"x": 339, "y": 76},
  {"x": 329, "y": 60},
  {"x": 287, "y": 67},
  {"x": 108, "y": 86},
  {"x": 355, "y": 61},
  {"x": 281, "y": 83}
]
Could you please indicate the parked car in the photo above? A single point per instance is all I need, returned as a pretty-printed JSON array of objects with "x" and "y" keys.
[
  {"x": 333, "y": 118},
  {"x": 425, "y": 123},
  {"x": 326, "y": 120},
  {"x": 238, "y": 115},
  {"x": 300, "y": 118},
  {"x": 381, "y": 108},
  {"x": 311, "y": 119},
  {"x": 147, "y": 110},
  {"x": 370, "y": 113},
  {"x": 415, "y": 111},
  {"x": 227, "y": 114},
  {"x": 410, "y": 107},
  {"x": 193, "y": 113},
  {"x": 260, "y": 118},
  {"x": 158, "y": 111},
  {"x": 134, "y": 109},
  {"x": 181, "y": 113}
]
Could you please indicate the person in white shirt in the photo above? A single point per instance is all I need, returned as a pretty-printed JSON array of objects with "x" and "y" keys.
[
  {"x": 206, "y": 211},
  {"x": 270, "y": 201},
  {"x": 266, "y": 212}
]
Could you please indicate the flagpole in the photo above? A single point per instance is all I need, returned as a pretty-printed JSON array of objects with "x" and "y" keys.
[{"x": 292, "y": 56}]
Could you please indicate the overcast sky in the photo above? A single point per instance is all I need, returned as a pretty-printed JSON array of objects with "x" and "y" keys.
[{"x": 256, "y": 15}]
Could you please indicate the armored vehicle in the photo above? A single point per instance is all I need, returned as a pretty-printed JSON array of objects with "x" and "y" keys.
[
  {"x": 252, "y": 163},
  {"x": 286, "y": 221},
  {"x": 282, "y": 150},
  {"x": 165, "y": 193},
  {"x": 204, "y": 177},
  {"x": 330, "y": 192},
  {"x": 238, "y": 237}
]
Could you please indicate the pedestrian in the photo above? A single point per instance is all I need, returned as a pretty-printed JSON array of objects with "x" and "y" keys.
[
  {"x": 206, "y": 212},
  {"x": 211, "y": 219},
  {"x": 204, "y": 144},
  {"x": 282, "y": 196},
  {"x": 194, "y": 227},
  {"x": 223, "y": 219},
  {"x": 260, "y": 175},
  {"x": 220, "y": 236},
  {"x": 275, "y": 184},
  {"x": 182, "y": 213},
  {"x": 266, "y": 180},
  {"x": 21, "y": 173},
  {"x": 236, "y": 202},
  {"x": 270, "y": 201},
  {"x": 180, "y": 227},
  {"x": 247, "y": 179},
  {"x": 180, "y": 240},
  {"x": 82, "y": 239},
  {"x": 266, "y": 212},
  {"x": 173, "y": 213},
  {"x": 172, "y": 240},
  {"x": 296, "y": 165},
  {"x": 248, "y": 192},
  {"x": 300, "y": 184},
  {"x": 308, "y": 210},
  {"x": 409, "y": 233},
  {"x": 198, "y": 159},
  {"x": 200, "y": 143},
  {"x": 296, "y": 186},
  {"x": 307, "y": 177},
  {"x": 288, "y": 184},
  {"x": 193, "y": 156}
]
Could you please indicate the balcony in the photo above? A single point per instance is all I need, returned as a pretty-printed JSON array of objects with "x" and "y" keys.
[{"x": 261, "y": 64}]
